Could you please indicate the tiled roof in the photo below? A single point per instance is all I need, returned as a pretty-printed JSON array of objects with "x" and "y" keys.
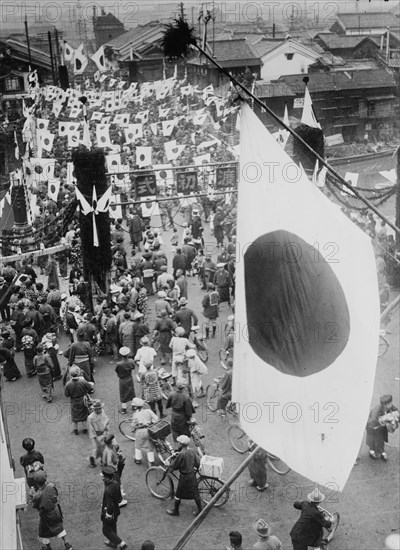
[
  {"x": 340, "y": 80},
  {"x": 368, "y": 20},
  {"x": 20, "y": 52},
  {"x": 266, "y": 45},
  {"x": 236, "y": 49},
  {"x": 336, "y": 41},
  {"x": 109, "y": 19},
  {"x": 134, "y": 37}
]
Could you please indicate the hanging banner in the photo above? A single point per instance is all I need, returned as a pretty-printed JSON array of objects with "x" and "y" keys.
[
  {"x": 226, "y": 177},
  {"x": 146, "y": 185},
  {"x": 186, "y": 182}
]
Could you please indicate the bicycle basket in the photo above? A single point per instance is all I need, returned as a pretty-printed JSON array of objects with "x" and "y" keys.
[
  {"x": 211, "y": 466},
  {"x": 159, "y": 430}
]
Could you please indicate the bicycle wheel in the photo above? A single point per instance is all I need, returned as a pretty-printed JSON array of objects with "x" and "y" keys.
[
  {"x": 208, "y": 488},
  {"x": 125, "y": 427},
  {"x": 383, "y": 345},
  {"x": 278, "y": 465},
  {"x": 212, "y": 396},
  {"x": 332, "y": 530},
  {"x": 203, "y": 354},
  {"x": 159, "y": 483},
  {"x": 238, "y": 439}
]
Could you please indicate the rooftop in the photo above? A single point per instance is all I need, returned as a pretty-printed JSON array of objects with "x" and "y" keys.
[
  {"x": 341, "y": 80},
  {"x": 335, "y": 41},
  {"x": 232, "y": 52},
  {"x": 273, "y": 89},
  {"x": 372, "y": 20}
]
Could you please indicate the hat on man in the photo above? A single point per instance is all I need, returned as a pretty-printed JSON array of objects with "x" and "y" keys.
[
  {"x": 137, "y": 315},
  {"x": 262, "y": 528},
  {"x": 221, "y": 264},
  {"x": 190, "y": 353},
  {"x": 182, "y": 301},
  {"x": 179, "y": 331},
  {"x": 108, "y": 471},
  {"x": 316, "y": 496},
  {"x": 124, "y": 351},
  {"x": 183, "y": 439},
  {"x": 161, "y": 294},
  {"x": 63, "y": 296},
  {"x": 164, "y": 268},
  {"x": 235, "y": 538},
  {"x": 144, "y": 341},
  {"x": 2, "y": 280},
  {"x": 137, "y": 403},
  {"x": 97, "y": 404}
]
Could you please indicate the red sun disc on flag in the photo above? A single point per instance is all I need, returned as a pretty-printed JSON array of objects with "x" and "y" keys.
[{"x": 297, "y": 313}]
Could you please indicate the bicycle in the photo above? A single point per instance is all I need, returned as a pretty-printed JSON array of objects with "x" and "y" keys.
[
  {"x": 213, "y": 394},
  {"x": 241, "y": 444},
  {"x": 384, "y": 344},
  {"x": 198, "y": 341},
  {"x": 224, "y": 355},
  {"x": 329, "y": 533},
  {"x": 160, "y": 481}
]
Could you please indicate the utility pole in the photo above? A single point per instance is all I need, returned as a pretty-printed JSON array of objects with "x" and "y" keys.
[{"x": 397, "y": 223}]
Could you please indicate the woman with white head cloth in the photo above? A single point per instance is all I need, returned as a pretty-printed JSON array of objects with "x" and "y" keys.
[
  {"x": 196, "y": 368},
  {"x": 141, "y": 420}
]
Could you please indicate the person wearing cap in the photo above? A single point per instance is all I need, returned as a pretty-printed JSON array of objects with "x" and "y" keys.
[
  {"x": 179, "y": 344},
  {"x": 178, "y": 262},
  {"x": 266, "y": 541},
  {"x": 210, "y": 305},
  {"x": 31, "y": 461},
  {"x": 208, "y": 271},
  {"x": 141, "y": 420},
  {"x": 196, "y": 369},
  {"x": 162, "y": 304},
  {"x": 99, "y": 427},
  {"x": 163, "y": 330},
  {"x": 225, "y": 386},
  {"x": 223, "y": 282},
  {"x": 163, "y": 278},
  {"x": 218, "y": 226},
  {"x": 181, "y": 410},
  {"x": 185, "y": 317},
  {"x": 145, "y": 353},
  {"x": 197, "y": 230},
  {"x": 189, "y": 251},
  {"x": 187, "y": 461},
  {"x": 110, "y": 509},
  {"x": 78, "y": 389},
  {"x": 235, "y": 539},
  {"x": 124, "y": 370},
  {"x": 377, "y": 430},
  {"x": 140, "y": 330},
  {"x": 45, "y": 499},
  {"x": 308, "y": 529}
]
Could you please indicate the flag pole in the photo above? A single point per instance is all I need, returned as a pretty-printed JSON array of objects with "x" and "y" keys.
[
  {"x": 296, "y": 136},
  {"x": 28, "y": 43},
  {"x": 186, "y": 535}
]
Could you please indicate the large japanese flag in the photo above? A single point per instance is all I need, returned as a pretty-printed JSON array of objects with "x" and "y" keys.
[{"x": 307, "y": 313}]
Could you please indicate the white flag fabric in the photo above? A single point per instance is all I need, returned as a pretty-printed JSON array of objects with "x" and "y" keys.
[
  {"x": 53, "y": 187},
  {"x": 133, "y": 132},
  {"x": 172, "y": 150},
  {"x": 42, "y": 123},
  {"x": 69, "y": 52},
  {"x": 309, "y": 330},
  {"x": 56, "y": 108},
  {"x": 142, "y": 116},
  {"x": 80, "y": 60},
  {"x": 308, "y": 116},
  {"x": 42, "y": 169},
  {"x": 45, "y": 140},
  {"x": 102, "y": 135},
  {"x": 389, "y": 175},
  {"x": 286, "y": 116},
  {"x": 96, "y": 116},
  {"x": 143, "y": 156},
  {"x": 115, "y": 210},
  {"x": 65, "y": 128},
  {"x": 71, "y": 180},
  {"x": 122, "y": 119},
  {"x": 100, "y": 60},
  {"x": 113, "y": 162},
  {"x": 167, "y": 127},
  {"x": 162, "y": 113},
  {"x": 164, "y": 175}
]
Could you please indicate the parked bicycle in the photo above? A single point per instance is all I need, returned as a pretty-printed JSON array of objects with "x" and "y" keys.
[
  {"x": 384, "y": 344},
  {"x": 160, "y": 480},
  {"x": 334, "y": 518},
  {"x": 198, "y": 341}
]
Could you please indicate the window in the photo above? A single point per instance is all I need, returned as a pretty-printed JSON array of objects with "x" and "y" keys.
[
  {"x": 12, "y": 84},
  {"x": 289, "y": 56},
  {"x": 371, "y": 108}
]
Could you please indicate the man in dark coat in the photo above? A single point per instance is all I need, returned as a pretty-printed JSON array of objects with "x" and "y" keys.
[
  {"x": 4, "y": 299},
  {"x": 308, "y": 529},
  {"x": 210, "y": 305},
  {"x": 178, "y": 262},
  {"x": 185, "y": 317},
  {"x": 110, "y": 508},
  {"x": 182, "y": 411},
  {"x": 377, "y": 431},
  {"x": 187, "y": 461}
]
